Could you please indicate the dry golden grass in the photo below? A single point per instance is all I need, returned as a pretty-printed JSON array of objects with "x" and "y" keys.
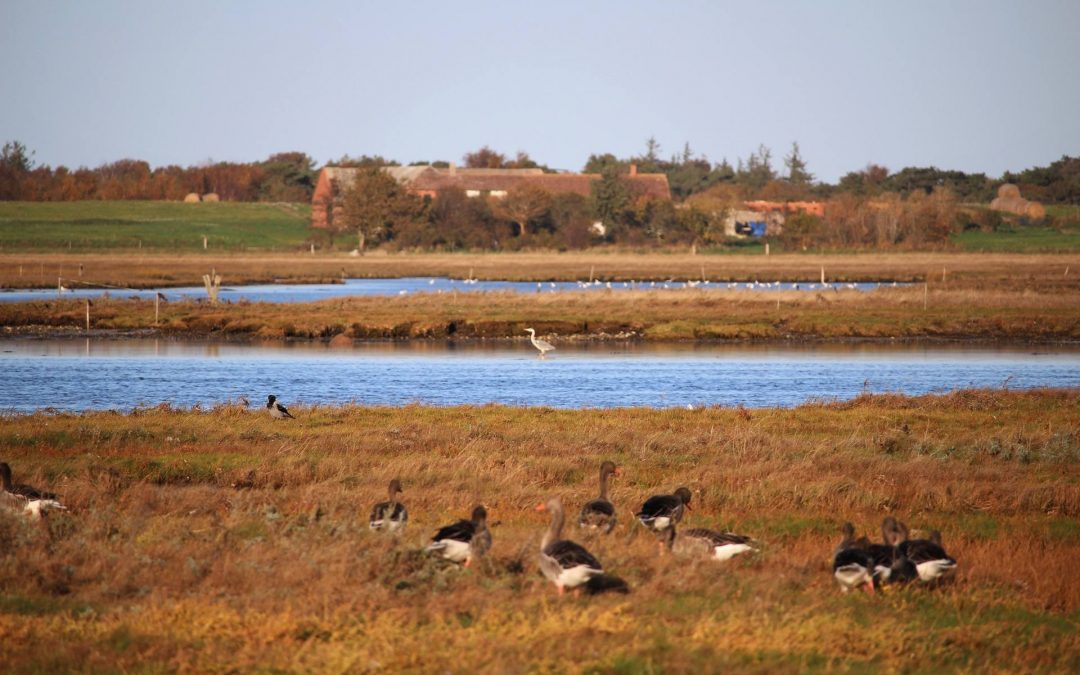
[
  {"x": 690, "y": 314},
  {"x": 160, "y": 564},
  {"x": 138, "y": 270}
]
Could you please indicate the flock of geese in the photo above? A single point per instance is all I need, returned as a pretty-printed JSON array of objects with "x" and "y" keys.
[
  {"x": 857, "y": 563},
  {"x": 566, "y": 563},
  {"x": 569, "y": 565}
]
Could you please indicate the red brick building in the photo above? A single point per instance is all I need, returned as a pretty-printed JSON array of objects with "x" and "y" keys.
[{"x": 428, "y": 180}]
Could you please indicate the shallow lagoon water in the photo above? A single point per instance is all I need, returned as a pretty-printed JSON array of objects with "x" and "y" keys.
[
  {"x": 85, "y": 373},
  {"x": 410, "y": 285}
]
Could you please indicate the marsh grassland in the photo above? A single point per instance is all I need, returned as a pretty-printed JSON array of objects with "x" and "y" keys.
[{"x": 161, "y": 564}]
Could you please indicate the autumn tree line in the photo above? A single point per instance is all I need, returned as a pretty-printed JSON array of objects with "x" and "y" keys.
[{"x": 868, "y": 208}]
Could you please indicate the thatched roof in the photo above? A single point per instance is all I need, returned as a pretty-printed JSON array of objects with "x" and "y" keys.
[{"x": 428, "y": 179}]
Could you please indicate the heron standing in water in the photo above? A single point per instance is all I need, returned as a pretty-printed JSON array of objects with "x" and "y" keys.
[{"x": 543, "y": 345}]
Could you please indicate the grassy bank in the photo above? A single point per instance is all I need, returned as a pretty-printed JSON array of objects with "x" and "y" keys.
[
  {"x": 94, "y": 225},
  {"x": 160, "y": 563},
  {"x": 152, "y": 270},
  {"x": 936, "y": 311}
]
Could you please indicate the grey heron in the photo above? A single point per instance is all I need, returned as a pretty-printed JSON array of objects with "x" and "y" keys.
[{"x": 543, "y": 345}]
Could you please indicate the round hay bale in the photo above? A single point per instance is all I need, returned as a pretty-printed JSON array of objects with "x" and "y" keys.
[
  {"x": 191, "y": 198},
  {"x": 211, "y": 197},
  {"x": 1035, "y": 211},
  {"x": 1009, "y": 191}
]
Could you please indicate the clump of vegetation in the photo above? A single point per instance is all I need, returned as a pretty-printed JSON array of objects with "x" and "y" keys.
[{"x": 221, "y": 539}]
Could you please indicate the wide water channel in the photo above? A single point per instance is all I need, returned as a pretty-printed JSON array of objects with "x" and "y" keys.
[
  {"x": 84, "y": 374},
  {"x": 409, "y": 285}
]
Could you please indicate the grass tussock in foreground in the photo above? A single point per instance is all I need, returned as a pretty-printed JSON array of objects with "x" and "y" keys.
[
  {"x": 162, "y": 563},
  {"x": 937, "y": 311}
]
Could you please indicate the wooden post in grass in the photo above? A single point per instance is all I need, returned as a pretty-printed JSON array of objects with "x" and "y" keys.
[
  {"x": 88, "y": 315},
  {"x": 157, "y": 305},
  {"x": 592, "y": 273},
  {"x": 20, "y": 270},
  {"x": 80, "y": 269},
  {"x": 59, "y": 286},
  {"x": 204, "y": 242},
  {"x": 942, "y": 275},
  {"x": 822, "y": 275},
  {"x": 313, "y": 249},
  {"x": 212, "y": 282},
  {"x": 766, "y": 248}
]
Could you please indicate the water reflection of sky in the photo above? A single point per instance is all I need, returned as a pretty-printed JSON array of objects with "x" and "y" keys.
[
  {"x": 410, "y": 285},
  {"x": 77, "y": 374}
]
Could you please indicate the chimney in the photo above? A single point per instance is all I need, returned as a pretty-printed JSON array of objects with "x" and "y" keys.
[
  {"x": 453, "y": 169},
  {"x": 633, "y": 169}
]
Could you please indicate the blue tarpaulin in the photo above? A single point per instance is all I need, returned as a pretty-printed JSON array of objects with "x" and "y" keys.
[{"x": 757, "y": 229}]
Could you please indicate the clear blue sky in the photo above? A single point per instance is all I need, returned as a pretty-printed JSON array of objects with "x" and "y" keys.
[{"x": 977, "y": 86}]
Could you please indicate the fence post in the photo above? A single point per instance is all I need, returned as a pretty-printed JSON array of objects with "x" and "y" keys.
[
  {"x": 88, "y": 315},
  {"x": 212, "y": 282}
]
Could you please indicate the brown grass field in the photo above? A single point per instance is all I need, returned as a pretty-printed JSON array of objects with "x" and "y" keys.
[
  {"x": 137, "y": 270},
  {"x": 996, "y": 314},
  {"x": 161, "y": 565},
  {"x": 985, "y": 296}
]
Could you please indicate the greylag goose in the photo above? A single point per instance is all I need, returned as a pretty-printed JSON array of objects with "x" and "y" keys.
[
  {"x": 28, "y": 500},
  {"x": 719, "y": 545},
  {"x": 889, "y": 565},
  {"x": 599, "y": 514},
  {"x": 390, "y": 515},
  {"x": 566, "y": 563},
  {"x": 543, "y": 345},
  {"x": 464, "y": 539},
  {"x": 852, "y": 565},
  {"x": 929, "y": 557},
  {"x": 660, "y": 512},
  {"x": 277, "y": 411}
]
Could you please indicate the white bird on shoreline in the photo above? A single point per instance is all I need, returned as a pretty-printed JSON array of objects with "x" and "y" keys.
[{"x": 543, "y": 345}]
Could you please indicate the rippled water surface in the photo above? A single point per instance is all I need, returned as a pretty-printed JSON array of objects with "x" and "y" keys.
[
  {"x": 78, "y": 374},
  {"x": 407, "y": 285}
]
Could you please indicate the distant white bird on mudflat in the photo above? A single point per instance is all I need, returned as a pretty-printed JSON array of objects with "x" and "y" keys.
[
  {"x": 543, "y": 345},
  {"x": 277, "y": 411}
]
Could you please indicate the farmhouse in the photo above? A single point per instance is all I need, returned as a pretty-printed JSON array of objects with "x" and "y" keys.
[{"x": 427, "y": 181}]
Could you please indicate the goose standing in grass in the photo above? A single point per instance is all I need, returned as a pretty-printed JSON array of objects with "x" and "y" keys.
[
  {"x": 277, "y": 411},
  {"x": 599, "y": 514},
  {"x": 25, "y": 499},
  {"x": 660, "y": 512},
  {"x": 852, "y": 565},
  {"x": 699, "y": 541},
  {"x": 463, "y": 540},
  {"x": 390, "y": 515},
  {"x": 566, "y": 563},
  {"x": 929, "y": 557},
  {"x": 543, "y": 345},
  {"x": 889, "y": 566}
]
